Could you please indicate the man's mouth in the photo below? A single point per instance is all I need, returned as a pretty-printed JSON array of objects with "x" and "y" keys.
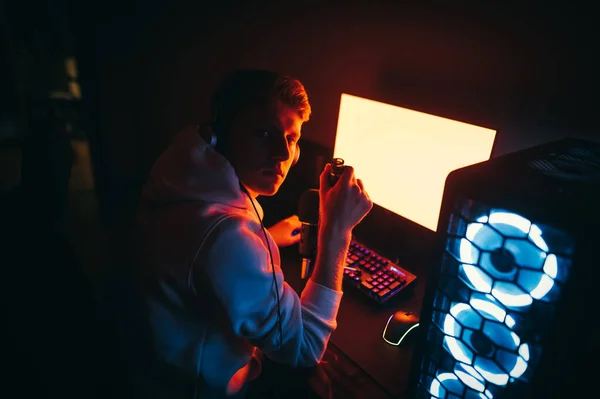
[{"x": 272, "y": 172}]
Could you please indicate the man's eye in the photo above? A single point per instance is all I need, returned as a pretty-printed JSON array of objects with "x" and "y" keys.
[{"x": 263, "y": 134}]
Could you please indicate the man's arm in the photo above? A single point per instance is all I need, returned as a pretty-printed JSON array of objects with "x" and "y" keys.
[
  {"x": 331, "y": 256},
  {"x": 342, "y": 206},
  {"x": 237, "y": 266}
]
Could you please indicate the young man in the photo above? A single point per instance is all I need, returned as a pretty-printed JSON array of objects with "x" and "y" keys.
[{"x": 209, "y": 267}]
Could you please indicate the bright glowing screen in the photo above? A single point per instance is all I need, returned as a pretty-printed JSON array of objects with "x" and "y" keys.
[{"x": 404, "y": 156}]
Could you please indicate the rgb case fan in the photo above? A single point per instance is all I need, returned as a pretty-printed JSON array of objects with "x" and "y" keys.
[{"x": 511, "y": 307}]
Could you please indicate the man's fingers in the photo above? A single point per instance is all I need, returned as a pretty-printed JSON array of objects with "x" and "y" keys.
[
  {"x": 294, "y": 221},
  {"x": 347, "y": 175},
  {"x": 360, "y": 184},
  {"x": 364, "y": 192},
  {"x": 295, "y": 239},
  {"x": 324, "y": 178}
]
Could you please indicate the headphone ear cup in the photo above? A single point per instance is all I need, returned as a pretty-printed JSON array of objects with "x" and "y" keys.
[
  {"x": 209, "y": 135},
  {"x": 296, "y": 155}
]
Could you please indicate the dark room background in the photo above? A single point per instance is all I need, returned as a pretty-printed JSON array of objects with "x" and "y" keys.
[
  {"x": 525, "y": 70},
  {"x": 147, "y": 68}
]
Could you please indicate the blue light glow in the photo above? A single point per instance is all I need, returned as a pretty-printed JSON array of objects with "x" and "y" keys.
[
  {"x": 509, "y": 224},
  {"x": 511, "y": 295},
  {"x": 480, "y": 235},
  {"x": 488, "y": 308},
  {"x": 524, "y": 351},
  {"x": 535, "y": 235},
  {"x": 499, "y": 335},
  {"x": 510, "y": 321},
  {"x": 551, "y": 266},
  {"x": 452, "y": 329},
  {"x": 490, "y": 371},
  {"x": 480, "y": 280},
  {"x": 467, "y": 318},
  {"x": 449, "y": 382},
  {"x": 520, "y": 367},
  {"x": 506, "y": 264},
  {"x": 436, "y": 389},
  {"x": 515, "y": 338},
  {"x": 459, "y": 350},
  {"x": 470, "y": 377}
]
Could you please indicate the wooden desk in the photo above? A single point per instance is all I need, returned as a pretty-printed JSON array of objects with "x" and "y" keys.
[{"x": 358, "y": 362}]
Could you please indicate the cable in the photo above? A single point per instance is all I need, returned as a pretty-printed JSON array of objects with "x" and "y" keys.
[{"x": 264, "y": 230}]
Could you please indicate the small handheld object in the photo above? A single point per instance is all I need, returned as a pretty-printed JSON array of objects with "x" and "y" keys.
[{"x": 337, "y": 168}]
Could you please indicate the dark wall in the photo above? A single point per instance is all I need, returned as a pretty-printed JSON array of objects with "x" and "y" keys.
[{"x": 526, "y": 72}]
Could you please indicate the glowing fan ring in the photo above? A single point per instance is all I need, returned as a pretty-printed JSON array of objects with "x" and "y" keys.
[
  {"x": 435, "y": 386},
  {"x": 478, "y": 278},
  {"x": 455, "y": 349}
]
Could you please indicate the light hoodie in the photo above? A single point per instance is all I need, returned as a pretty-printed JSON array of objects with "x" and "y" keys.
[{"x": 206, "y": 278}]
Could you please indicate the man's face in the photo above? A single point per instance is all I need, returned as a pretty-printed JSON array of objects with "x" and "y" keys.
[{"x": 263, "y": 144}]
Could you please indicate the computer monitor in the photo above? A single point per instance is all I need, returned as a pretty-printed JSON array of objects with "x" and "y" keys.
[{"x": 404, "y": 156}]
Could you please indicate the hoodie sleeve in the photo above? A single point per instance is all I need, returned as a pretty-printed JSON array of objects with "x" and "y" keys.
[{"x": 238, "y": 268}]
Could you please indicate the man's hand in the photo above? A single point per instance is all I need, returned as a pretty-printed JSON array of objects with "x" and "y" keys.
[
  {"x": 345, "y": 204},
  {"x": 286, "y": 232}
]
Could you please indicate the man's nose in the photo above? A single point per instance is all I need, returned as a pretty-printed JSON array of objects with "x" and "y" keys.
[{"x": 280, "y": 150}]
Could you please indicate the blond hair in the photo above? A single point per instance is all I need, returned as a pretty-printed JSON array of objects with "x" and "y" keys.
[{"x": 247, "y": 87}]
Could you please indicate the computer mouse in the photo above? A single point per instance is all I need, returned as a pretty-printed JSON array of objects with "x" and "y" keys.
[{"x": 398, "y": 326}]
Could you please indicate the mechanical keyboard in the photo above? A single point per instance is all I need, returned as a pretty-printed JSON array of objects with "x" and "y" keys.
[{"x": 377, "y": 277}]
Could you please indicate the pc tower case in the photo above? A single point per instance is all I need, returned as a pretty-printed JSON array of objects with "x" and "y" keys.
[{"x": 512, "y": 304}]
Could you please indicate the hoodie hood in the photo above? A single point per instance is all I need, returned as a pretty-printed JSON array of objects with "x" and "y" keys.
[{"x": 191, "y": 170}]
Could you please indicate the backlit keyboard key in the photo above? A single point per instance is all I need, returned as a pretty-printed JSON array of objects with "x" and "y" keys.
[{"x": 376, "y": 276}]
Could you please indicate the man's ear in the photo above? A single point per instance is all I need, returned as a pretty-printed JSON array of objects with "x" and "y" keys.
[{"x": 296, "y": 155}]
